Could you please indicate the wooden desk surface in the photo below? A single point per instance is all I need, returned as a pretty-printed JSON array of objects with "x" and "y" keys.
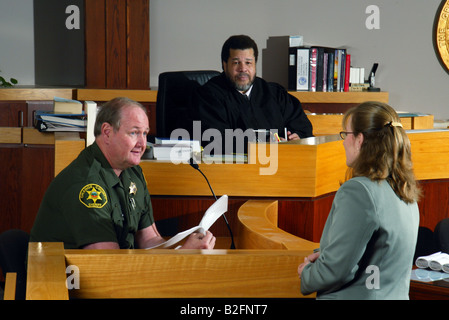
[{"x": 298, "y": 171}]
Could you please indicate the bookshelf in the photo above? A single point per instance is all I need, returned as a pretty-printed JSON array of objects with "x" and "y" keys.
[
  {"x": 150, "y": 95},
  {"x": 339, "y": 97}
]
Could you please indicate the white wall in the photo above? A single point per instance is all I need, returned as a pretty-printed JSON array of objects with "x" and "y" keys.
[
  {"x": 188, "y": 34},
  {"x": 17, "y": 40}
]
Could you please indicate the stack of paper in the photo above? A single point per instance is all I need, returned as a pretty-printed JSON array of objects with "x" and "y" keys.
[
  {"x": 67, "y": 115},
  {"x": 50, "y": 121},
  {"x": 173, "y": 150}
]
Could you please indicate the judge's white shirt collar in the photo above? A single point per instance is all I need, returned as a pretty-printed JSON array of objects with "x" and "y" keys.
[{"x": 247, "y": 92}]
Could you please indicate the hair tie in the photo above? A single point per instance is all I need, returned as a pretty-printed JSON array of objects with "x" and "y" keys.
[{"x": 393, "y": 124}]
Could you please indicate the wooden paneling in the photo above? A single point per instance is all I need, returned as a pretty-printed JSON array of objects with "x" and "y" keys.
[
  {"x": 10, "y": 135},
  {"x": 434, "y": 203},
  {"x": 37, "y": 174},
  {"x": 67, "y": 148},
  {"x": 26, "y": 172},
  {"x": 95, "y": 43},
  {"x": 21, "y": 94},
  {"x": 258, "y": 229},
  {"x": 10, "y": 186},
  {"x": 430, "y": 154},
  {"x": 117, "y": 44},
  {"x": 138, "y": 56},
  {"x": 13, "y": 113},
  {"x": 108, "y": 94}
]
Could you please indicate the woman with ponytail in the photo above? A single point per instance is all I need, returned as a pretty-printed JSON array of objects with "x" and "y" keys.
[{"x": 368, "y": 242}]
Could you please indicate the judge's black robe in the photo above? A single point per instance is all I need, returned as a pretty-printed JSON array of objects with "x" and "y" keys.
[{"x": 218, "y": 105}]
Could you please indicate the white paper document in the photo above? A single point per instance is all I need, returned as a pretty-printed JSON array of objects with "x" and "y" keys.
[{"x": 210, "y": 216}]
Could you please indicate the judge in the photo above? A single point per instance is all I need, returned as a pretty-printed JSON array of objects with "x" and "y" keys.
[{"x": 238, "y": 99}]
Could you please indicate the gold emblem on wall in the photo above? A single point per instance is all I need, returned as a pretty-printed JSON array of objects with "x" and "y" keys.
[{"x": 442, "y": 33}]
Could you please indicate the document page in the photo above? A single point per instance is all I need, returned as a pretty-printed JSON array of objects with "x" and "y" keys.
[{"x": 210, "y": 216}]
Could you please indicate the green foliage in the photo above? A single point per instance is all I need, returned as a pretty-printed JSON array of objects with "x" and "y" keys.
[{"x": 4, "y": 83}]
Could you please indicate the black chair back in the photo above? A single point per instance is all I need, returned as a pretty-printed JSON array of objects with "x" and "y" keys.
[
  {"x": 174, "y": 99},
  {"x": 442, "y": 235},
  {"x": 13, "y": 255}
]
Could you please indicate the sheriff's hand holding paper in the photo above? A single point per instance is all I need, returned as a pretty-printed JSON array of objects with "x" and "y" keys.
[{"x": 200, "y": 232}]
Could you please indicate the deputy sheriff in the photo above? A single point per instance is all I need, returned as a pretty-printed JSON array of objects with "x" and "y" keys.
[{"x": 101, "y": 200}]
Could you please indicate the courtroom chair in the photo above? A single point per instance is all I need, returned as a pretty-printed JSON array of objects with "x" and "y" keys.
[
  {"x": 441, "y": 233},
  {"x": 13, "y": 255},
  {"x": 425, "y": 243},
  {"x": 174, "y": 99}
]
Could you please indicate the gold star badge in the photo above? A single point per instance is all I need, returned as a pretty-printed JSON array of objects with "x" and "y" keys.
[
  {"x": 132, "y": 188},
  {"x": 94, "y": 195}
]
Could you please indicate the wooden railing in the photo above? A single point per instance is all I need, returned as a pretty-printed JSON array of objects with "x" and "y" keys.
[{"x": 262, "y": 268}]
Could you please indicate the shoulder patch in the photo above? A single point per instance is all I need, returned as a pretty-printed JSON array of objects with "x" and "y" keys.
[{"x": 93, "y": 196}]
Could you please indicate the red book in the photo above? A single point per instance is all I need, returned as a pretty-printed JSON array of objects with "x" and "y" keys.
[{"x": 347, "y": 72}]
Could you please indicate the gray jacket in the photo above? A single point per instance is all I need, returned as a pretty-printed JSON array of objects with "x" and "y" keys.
[{"x": 367, "y": 245}]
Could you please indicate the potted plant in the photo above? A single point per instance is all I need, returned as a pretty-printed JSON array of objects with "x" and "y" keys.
[{"x": 5, "y": 83}]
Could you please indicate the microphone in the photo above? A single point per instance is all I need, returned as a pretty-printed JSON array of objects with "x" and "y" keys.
[{"x": 195, "y": 166}]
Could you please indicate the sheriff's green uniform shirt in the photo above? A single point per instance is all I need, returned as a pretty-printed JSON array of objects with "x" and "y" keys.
[{"x": 87, "y": 203}]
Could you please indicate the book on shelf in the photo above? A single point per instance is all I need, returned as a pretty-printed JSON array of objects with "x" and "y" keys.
[
  {"x": 347, "y": 72},
  {"x": 62, "y": 105},
  {"x": 339, "y": 70},
  {"x": 211, "y": 215},
  {"x": 298, "y": 73},
  {"x": 317, "y": 69}
]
